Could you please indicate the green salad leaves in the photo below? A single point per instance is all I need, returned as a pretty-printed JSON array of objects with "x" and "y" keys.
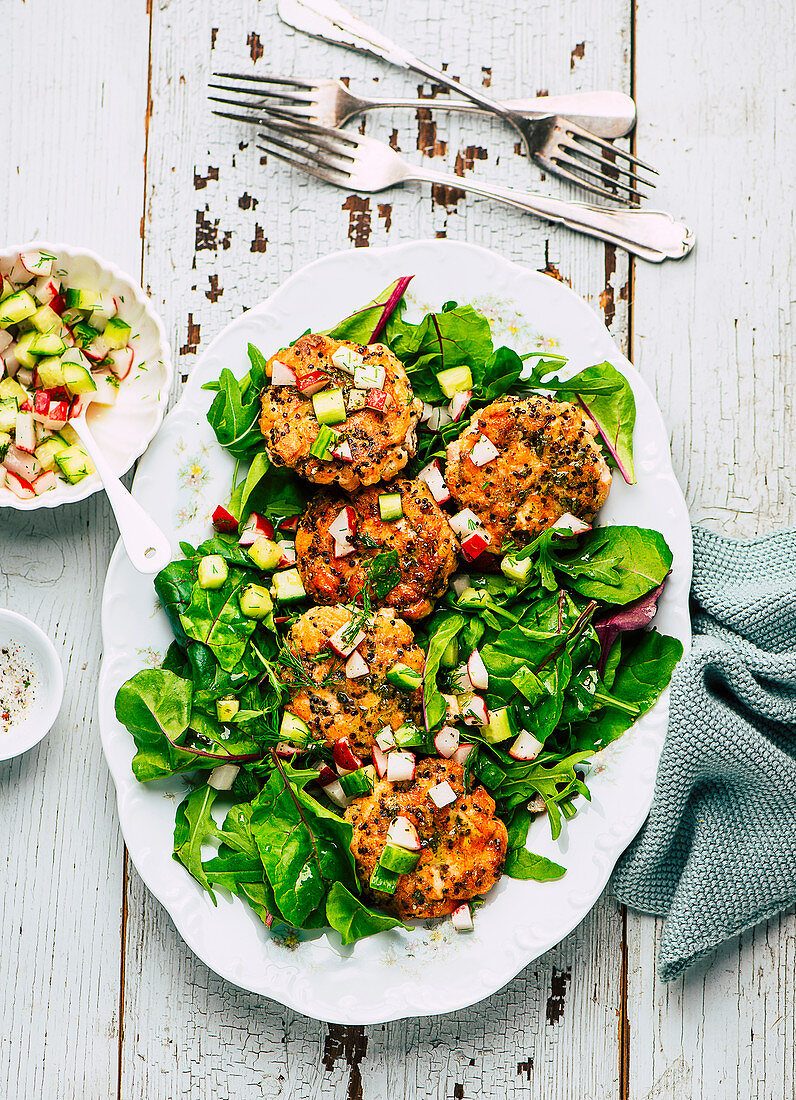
[{"x": 571, "y": 663}]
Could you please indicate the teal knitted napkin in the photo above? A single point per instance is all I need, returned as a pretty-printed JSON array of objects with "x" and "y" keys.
[{"x": 717, "y": 853}]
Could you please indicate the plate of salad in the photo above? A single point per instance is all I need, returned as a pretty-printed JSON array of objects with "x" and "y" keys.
[{"x": 382, "y": 728}]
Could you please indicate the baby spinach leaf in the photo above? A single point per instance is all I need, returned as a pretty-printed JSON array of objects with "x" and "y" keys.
[
  {"x": 500, "y": 374},
  {"x": 365, "y": 325},
  {"x": 446, "y": 627},
  {"x": 235, "y": 410},
  {"x": 520, "y": 863},
  {"x": 215, "y": 618},
  {"x": 613, "y": 413},
  {"x": 155, "y": 706},
  {"x": 173, "y": 586},
  {"x": 637, "y": 557},
  {"x": 353, "y": 920},
  {"x": 456, "y": 336}
]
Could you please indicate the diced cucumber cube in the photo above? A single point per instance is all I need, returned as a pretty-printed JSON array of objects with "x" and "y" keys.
[
  {"x": 6, "y": 288},
  {"x": 498, "y": 728},
  {"x": 390, "y": 506},
  {"x": 103, "y": 311},
  {"x": 46, "y": 319},
  {"x": 22, "y": 352},
  {"x": 16, "y": 307},
  {"x": 8, "y": 415},
  {"x": 323, "y": 443},
  {"x": 74, "y": 464},
  {"x": 293, "y": 729},
  {"x": 213, "y": 571},
  {"x": 84, "y": 334},
  {"x": 516, "y": 569},
  {"x": 77, "y": 374},
  {"x": 455, "y": 380},
  {"x": 265, "y": 553},
  {"x": 69, "y": 435},
  {"x": 402, "y": 676},
  {"x": 288, "y": 586},
  {"x": 384, "y": 880},
  {"x": 329, "y": 406},
  {"x": 10, "y": 388},
  {"x": 356, "y": 783},
  {"x": 81, "y": 299},
  {"x": 116, "y": 333},
  {"x": 51, "y": 373},
  {"x": 255, "y": 601},
  {"x": 399, "y": 860},
  {"x": 473, "y": 597},
  {"x": 227, "y": 708},
  {"x": 48, "y": 449},
  {"x": 409, "y": 736},
  {"x": 47, "y": 343}
]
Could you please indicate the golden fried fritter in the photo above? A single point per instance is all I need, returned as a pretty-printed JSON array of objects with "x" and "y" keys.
[
  {"x": 464, "y": 844},
  {"x": 358, "y": 709},
  {"x": 381, "y": 442},
  {"x": 422, "y": 538},
  {"x": 548, "y": 465}
]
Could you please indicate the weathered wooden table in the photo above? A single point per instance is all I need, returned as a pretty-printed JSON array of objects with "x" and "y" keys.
[{"x": 108, "y": 141}]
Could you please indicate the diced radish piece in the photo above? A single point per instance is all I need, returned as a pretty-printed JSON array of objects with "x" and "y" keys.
[
  {"x": 41, "y": 402},
  {"x": 25, "y": 432},
  {"x": 288, "y": 553},
  {"x": 343, "y": 451},
  {"x": 289, "y": 523},
  {"x": 347, "y": 359},
  {"x": 57, "y": 415},
  {"x": 438, "y": 418},
  {"x": 403, "y": 832},
  {"x": 44, "y": 482},
  {"x": 356, "y": 666},
  {"x": 6, "y": 340},
  {"x": 452, "y": 706},
  {"x": 311, "y": 383},
  {"x": 224, "y": 521},
  {"x": 461, "y": 678},
  {"x": 26, "y": 406},
  {"x": 282, "y": 375},
  {"x": 464, "y": 522},
  {"x": 121, "y": 361},
  {"x": 380, "y": 761},
  {"x": 369, "y": 376},
  {"x": 25, "y": 376},
  {"x": 344, "y": 755},
  {"x": 460, "y": 583},
  {"x": 335, "y": 793},
  {"x": 326, "y": 776},
  {"x": 526, "y": 747},
  {"x": 442, "y": 795},
  {"x": 342, "y": 641},
  {"x": 255, "y": 527},
  {"x": 432, "y": 475},
  {"x": 569, "y": 523},
  {"x": 474, "y": 544},
  {"x": 484, "y": 451},
  {"x": 287, "y": 750},
  {"x": 19, "y": 486},
  {"x": 378, "y": 400},
  {"x": 446, "y": 741},
  {"x": 46, "y": 290},
  {"x": 400, "y": 766},
  {"x": 426, "y": 413},
  {"x": 36, "y": 263},
  {"x": 343, "y": 549},
  {"x": 459, "y": 403},
  {"x": 96, "y": 350},
  {"x": 386, "y": 739},
  {"x": 463, "y": 751},
  {"x": 343, "y": 526},
  {"x": 26, "y": 466},
  {"x": 474, "y": 712},
  {"x": 477, "y": 671},
  {"x": 462, "y": 918},
  {"x": 222, "y": 777}
]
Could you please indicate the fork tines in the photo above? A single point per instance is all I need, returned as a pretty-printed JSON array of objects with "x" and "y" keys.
[
  {"x": 303, "y": 143},
  {"x": 604, "y": 166},
  {"x": 293, "y": 98}
]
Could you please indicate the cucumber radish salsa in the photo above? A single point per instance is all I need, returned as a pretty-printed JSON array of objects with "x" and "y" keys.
[
  {"x": 61, "y": 348},
  {"x": 355, "y": 759}
]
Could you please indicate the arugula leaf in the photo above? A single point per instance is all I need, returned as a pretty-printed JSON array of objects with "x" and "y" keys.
[
  {"x": 353, "y": 920},
  {"x": 638, "y": 557},
  {"x": 194, "y": 826},
  {"x": 366, "y": 324},
  {"x": 446, "y": 627},
  {"x": 520, "y": 863},
  {"x": 215, "y": 618}
]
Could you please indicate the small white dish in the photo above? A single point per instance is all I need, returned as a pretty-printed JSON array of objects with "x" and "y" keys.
[
  {"x": 123, "y": 431},
  {"x": 27, "y": 713}
]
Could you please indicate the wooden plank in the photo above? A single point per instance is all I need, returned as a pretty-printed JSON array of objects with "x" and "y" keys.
[
  {"x": 715, "y": 337},
  {"x": 222, "y": 231},
  {"x": 74, "y": 98}
]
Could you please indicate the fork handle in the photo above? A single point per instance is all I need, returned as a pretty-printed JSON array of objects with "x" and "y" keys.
[{"x": 652, "y": 235}]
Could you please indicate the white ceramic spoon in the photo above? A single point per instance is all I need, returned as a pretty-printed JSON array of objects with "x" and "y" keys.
[{"x": 146, "y": 545}]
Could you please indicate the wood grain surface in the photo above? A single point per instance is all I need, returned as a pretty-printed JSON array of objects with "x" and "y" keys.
[{"x": 109, "y": 143}]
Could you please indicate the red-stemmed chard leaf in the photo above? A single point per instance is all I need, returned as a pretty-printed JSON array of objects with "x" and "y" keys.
[
  {"x": 633, "y": 616},
  {"x": 364, "y": 325}
]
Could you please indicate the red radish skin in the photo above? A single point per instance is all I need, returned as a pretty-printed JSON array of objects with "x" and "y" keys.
[
  {"x": 476, "y": 670},
  {"x": 282, "y": 375},
  {"x": 474, "y": 544},
  {"x": 41, "y": 402},
  {"x": 121, "y": 361},
  {"x": 344, "y": 755},
  {"x": 462, "y": 918},
  {"x": 403, "y": 832},
  {"x": 343, "y": 452},
  {"x": 463, "y": 751},
  {"x": 326, "y": 776},
  {"x": 474, "y": 712},
  {"x": 19, "y": 486},
  {"x": 289, "y": 523},
  {"x": 569, "y": 523},
  {"x": 356, "y": 666},
  {"x": 342, "y": 643},
  {"x": 312, "y": 383},
  {"x": 224, "y": 521},
  {"x": 459, "y": 403},
  {"x": 378, "y": 400},
  {"x": 286, "y": 750},
  {"x": 379, "y": 761},
  {"x": 254, "y": 527},
  {"x": 288, "y": 553}
]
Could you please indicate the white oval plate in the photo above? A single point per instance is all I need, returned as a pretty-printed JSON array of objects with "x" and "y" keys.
[
  {"x": 124, "y": 430},
  {"x": 180, "y": 480}
]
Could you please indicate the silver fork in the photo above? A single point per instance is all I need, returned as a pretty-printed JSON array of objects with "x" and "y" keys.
[
  {"x": 331, "y": 103},
  {"x": 562, "y": 148},
  {"x": 363, "y": 164}
]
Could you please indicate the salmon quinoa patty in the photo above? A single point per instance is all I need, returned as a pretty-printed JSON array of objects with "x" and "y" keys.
[
  {"x": 334, "y": 706},
  {"x": 548, "y": 464},
  {"x": 463, "y": 844},
  {"x": 422, "y": 538},
  {"x": 381, "y": 443}
]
